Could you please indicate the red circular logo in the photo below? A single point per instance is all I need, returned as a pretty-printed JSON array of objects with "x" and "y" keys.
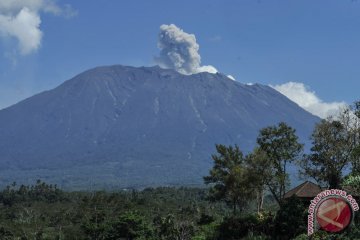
[{"x": 334, "y": 214}]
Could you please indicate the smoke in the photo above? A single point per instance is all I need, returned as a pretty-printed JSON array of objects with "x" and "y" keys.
[
  {"x": 180, "y": 51},
  {"x": 20, "y": 20}
]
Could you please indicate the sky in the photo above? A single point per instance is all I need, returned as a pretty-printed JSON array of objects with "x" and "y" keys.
[{"x": 308, "y": 50}]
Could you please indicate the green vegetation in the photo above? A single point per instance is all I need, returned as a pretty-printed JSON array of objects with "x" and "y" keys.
[
  {"x": 229, "y": 177},
  {"x": 244, "y": 198},
  {"x": 280, "y": 145},
  {"x": 335, "y": 146},
  {"x": 43, "y": 211}
]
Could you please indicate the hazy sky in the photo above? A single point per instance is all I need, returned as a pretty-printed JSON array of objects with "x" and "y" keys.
[{"x": 313, "y": 44}]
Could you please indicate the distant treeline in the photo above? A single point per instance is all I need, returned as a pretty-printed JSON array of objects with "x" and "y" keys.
[{"x": 43, "y": 211}]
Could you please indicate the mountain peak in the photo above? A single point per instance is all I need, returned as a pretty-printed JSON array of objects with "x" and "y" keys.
[{"x": 136, "y": 126}]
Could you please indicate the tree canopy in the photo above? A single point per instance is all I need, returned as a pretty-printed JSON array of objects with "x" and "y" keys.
[
  {"x": 229, "y": 178},
  {"x": 281, "y": 146},
  {"x": 335, "y": 144}
]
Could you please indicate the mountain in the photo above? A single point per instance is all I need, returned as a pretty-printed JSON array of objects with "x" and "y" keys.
[{"x": 120, "y": 126}]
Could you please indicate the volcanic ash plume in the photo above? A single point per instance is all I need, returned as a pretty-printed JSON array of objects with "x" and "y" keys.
[{"x": 179, "y": 51}]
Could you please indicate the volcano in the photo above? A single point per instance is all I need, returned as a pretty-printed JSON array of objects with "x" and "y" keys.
[{"x": 119, "y": 126}]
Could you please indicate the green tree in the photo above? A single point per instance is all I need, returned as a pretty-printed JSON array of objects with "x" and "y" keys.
[
  {"x": 291, "y": 218},
  {"x": 259, "y": 173},
  {"x": 352, "y": 183},
  {"x": 333, "y": 145},
  {"x": 356, "y": 134},
  {"x": 229, "y": 178},
  {"x": 95, "y": 226},
  {"x": 130, "y": 226},
  {"x": 5, "y": 234},
  {"x": 171, "y": 228},
  {"x": 281, "y": 146}
]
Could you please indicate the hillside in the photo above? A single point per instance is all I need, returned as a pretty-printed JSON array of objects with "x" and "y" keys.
[{"x": 119, "y": 126}]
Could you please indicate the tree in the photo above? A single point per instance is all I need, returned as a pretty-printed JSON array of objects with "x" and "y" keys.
[
  {"x": 291, "y": 218},
  {"x": 229, "y": 177},
  {"x": 333, "y": 146},
  {"x": 259, "y": 173},
  {"x": 5, "y": 234},
  {"x": 356, "y": 134},
  {"x": 95, "y": 226},
  {"x": 281, "y": 146},
  {"x": 352, "y": 183},
  {"x": 171, "y": 228},
  {"x": 131, "y": 226}
]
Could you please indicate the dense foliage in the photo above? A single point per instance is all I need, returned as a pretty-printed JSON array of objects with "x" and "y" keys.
[
  {"x": 281, "y": 146},
  {"x": 230, "y": 180},
  {"x": 43, "y": 211}
]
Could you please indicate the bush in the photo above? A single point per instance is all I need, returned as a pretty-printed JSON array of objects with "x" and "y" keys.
[
  {"x": 238, "y": 228},
  {"x": 301, "y": 237},
  {"x": 205, "y": 219},
  {"x": 291, "y": 219},
  {"x": 5, "y": 234},
  {"x": 130, "y": 225}
]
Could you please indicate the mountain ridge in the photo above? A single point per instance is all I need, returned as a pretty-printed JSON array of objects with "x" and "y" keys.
[{"x": 136, "y": 126}]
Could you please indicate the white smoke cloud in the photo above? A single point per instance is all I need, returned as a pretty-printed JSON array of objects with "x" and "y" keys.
[
  {"x": 180, "y": 51},
  {"x": 20, "y": 19},
  {"x": 307, "y": 99}
]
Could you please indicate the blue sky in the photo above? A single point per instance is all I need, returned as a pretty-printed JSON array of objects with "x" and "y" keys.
[{"x": 313, "y": 43}]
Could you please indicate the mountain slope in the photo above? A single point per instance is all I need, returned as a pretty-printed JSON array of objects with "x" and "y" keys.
[{"x": 125, "y": 126}]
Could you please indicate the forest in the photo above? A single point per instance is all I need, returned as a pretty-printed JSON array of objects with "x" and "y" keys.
[{"x": 243, "y": 196}]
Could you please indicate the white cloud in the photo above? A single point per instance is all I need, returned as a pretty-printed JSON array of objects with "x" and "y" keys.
[
  {"x": 25, "y": 27},
  {"x": 307, "y": 99},
  {"x": 180, "y": 51},
  {"x": 231, "y": 77},
  {"x": 20, "y": 19},
  {"x": 14, "y": 6}
]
